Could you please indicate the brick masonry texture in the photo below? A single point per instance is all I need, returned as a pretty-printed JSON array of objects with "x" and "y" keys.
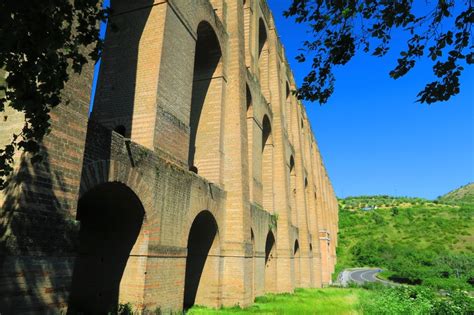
[{"x": 196, "y": 179}]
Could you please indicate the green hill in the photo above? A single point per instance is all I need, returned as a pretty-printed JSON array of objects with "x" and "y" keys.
[
  {"x": 415, "y": 240},
  {"x": 464, "y": 194}
]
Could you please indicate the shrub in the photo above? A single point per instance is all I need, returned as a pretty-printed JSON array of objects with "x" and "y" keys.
[
  {"x": 125, "y": 309},
  {"x": 456, "y": 302}
]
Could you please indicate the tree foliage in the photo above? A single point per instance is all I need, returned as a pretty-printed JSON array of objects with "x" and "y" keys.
[
  {"x": 41, "y": 42},
  {"x": 341, "y": 28}
]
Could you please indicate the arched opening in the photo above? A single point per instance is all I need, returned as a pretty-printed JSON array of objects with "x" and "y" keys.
[
  {"x": 266, "y": 132},
  {"x": 201, "y": 284},
  {"x": 296, "y": 255},
  {"x": 294, "y": 213},
  {"x": 262, "y": 37},
  {"x": 270, "y": 263},
  {"x": 267, "y": 165},
  {"x": 205, "y": 119},
  {"x": 288, "y": 110},
  {"x": 263, "y": 58},
  {"x": 110, "y": 242}
]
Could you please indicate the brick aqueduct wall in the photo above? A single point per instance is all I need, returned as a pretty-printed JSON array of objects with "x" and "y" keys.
[{"x": 196, "y": 180}]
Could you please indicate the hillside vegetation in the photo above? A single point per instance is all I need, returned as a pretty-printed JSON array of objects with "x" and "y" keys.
[
  {"x": 462, "y": 195},
  {"x": 416, "y": 241}
]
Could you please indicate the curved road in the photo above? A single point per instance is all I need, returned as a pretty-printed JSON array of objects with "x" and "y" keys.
[
  {"x": 360, "y": 276},
  {"x": 364, "y": 275}
]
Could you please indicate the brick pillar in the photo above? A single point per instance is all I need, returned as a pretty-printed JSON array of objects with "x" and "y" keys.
[
  {"x": 301, "y": 203},
  {"x": 309, "y": 189},
  {"x": 237, "y": 260},
  {"x": 312, "y": 209},
  {"x": 284, "y": 242},
  {"x": 249, "y": 34},
  {"x": 326, "y": 231},
  {"x": 321, "y": 207}
]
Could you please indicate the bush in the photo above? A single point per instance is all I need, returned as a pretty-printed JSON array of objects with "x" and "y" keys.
[
  {"x": 125, "y": 309},
  {"x": 417, "y": 300},
  {"x": 394, "y": 211},
  {"x": 457, "y": 302},
  {"x": 400, "y": 300}
]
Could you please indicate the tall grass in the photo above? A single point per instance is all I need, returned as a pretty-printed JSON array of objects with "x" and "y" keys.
[
  {"x": 370, "y": 300},
  {"x": 303, "y": 301}
]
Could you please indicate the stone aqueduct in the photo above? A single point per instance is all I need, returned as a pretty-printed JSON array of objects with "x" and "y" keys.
[{"x": 196, "y": 179}]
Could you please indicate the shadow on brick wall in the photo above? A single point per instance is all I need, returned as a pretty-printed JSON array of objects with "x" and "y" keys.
[{"x": 37, "y": 240}]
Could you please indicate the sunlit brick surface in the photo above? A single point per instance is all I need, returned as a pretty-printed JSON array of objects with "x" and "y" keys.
[{"x": 196, "y": 180}]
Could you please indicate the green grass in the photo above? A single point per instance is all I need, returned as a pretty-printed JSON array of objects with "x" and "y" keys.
[{"x": 304, "y": 301}]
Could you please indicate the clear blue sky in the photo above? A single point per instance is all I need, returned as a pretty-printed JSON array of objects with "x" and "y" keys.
[{"x": 374, "y": 138}]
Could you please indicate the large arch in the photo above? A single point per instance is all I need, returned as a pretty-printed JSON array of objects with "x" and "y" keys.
[
  {"x": 267, "y": 165},
  {"x": 296, "y": 256},
  {"x": 108, "y": 264},
  {"x": 270, "y": 263},
  {"x": 263, "y": 58},
  {"x": 205, "y": 123},
  {"x": 201, "y": 284},
  {"x": 262, "y": 37}
]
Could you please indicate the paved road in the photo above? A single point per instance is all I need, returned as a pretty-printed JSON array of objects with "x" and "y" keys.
[
  {"x": 360, "y": 276},
  {"x": 364, "y": 275}
]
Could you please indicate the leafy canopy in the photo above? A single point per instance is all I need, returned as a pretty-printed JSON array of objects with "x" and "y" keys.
[
  {"x": 341, "y": 28},
  {"x": 41, "y": 41}
]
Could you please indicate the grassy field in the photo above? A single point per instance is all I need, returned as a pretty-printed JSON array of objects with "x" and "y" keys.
[
  {"x": 303, "y": 301},
  {"x": 373, "y": 300}
]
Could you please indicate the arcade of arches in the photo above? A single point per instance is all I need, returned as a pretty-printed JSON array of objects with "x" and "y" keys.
[{"x": 196, "y": 179}]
